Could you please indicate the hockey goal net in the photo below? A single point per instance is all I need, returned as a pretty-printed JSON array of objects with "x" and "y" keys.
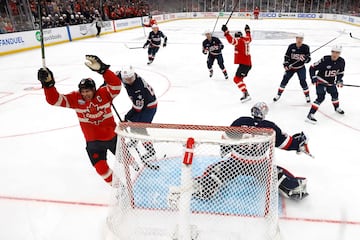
[{"x": 194, "y": 182}]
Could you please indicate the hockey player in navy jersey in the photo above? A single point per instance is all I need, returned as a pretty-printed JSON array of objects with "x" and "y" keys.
[
  {"x": 154, "y": 42},
  {"x": 295, "y": 58},
  {"x": 144, "y": 106},
  {"x": 327, "y": 74},
  {"x": 213, "y": 47},
  {"x": 218, "y": 174}
]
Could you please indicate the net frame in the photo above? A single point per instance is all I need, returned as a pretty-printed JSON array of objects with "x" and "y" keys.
[{"x": 259, "y": 135}]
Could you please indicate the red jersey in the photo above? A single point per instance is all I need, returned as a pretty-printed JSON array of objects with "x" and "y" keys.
[
  {"x": 95, "y": 116},
  {"x": 151, "y": 23},
  {"x": 256, "y": 11},
  {"x": 242, "y": 50}
]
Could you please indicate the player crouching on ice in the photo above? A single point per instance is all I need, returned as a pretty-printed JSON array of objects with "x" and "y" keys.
[
  {"x": 144, "y": 106},
  {"x": 213, "y": 47},
  {"x": 93, "y": 109},
  {"x": 327, "y": 75},
  {"x": 219, "y": 174},
  {"x": 154, "y": 42},
  {"x": 242, "y": 57}
]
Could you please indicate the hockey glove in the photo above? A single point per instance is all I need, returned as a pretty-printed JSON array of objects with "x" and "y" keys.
[
  {"x": 247, "y": 28},
  {"x": 205, "y": 51},
  {"x": 314, "y": 79},
  {"x": 46, "y": 77},
  {"x": 164, "y": 45},
  {"x": 339, "y": 83},
  {"x": 287, "y": 67},
  {"x": 94, "y": 63},
  {"x": 224, "y": 28}
]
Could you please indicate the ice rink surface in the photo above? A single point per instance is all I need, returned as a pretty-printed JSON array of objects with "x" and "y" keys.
[{"x": 48, "y": 188}]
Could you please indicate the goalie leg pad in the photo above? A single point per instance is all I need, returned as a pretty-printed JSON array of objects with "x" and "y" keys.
[{"x": 290, "y": 186}]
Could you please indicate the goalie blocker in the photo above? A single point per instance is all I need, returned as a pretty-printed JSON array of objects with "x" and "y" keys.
[{"x": 217, "y": 175}]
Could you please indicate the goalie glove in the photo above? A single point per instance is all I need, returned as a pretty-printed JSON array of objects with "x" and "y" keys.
[
  {"x": 94, "y": 63},
  {"x": 46, "y": 77}
]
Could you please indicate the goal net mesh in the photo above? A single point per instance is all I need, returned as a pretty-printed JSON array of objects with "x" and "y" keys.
[{"x": 194, "y": 182}]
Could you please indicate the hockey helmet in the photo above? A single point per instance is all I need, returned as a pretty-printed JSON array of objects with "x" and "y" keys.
[
  {"x": 155, "y": 26},
  {"x": 128, "y": 74},
  {"x": 207, "y": 31},
  {"x": 260, "y": 110},
  {"x": 238, "y": 34},
  {"x": 299, "y": 35},
  {"x": 87, "y": 83},
  {"x": 337, "y": 48}
]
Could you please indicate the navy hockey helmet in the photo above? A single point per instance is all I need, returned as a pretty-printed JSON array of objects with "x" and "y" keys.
[
  {"x": 87, "y": 83},
  {"x": 238, "y": 34},
  {"x": 260, "y": 110}
]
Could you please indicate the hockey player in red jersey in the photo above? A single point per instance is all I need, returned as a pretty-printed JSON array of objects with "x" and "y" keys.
[
  {"x": 93, "y": 109},
  {"x": 151, "y": 22},
  {"x": 256, "y": 13},
  {"x": 242, "y": 57}
]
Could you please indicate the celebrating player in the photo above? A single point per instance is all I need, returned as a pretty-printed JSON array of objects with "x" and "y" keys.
[
  {"x": 296, "y": 56},
  {"x": 144, "y": 106},
  {"x": 222, "y": 172},
  {"x": 242, "y": 57},
  {"x": 93, "y": 109},
  {"x": 151, "y": 23},
  {"x": 154, "y": 42},
  {"x": 327, "y": 74},
  {"x": 213, "y": 46}
]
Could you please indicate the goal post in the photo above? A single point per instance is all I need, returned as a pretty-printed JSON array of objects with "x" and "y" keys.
[{"x": 187, "y": 182}]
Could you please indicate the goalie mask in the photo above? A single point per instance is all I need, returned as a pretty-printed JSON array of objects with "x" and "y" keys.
[{"x": 260, "y": 110}]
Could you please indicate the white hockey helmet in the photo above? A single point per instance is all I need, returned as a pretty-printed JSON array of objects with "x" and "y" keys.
[
  {"x": 155, "y": 26},
  {"x": 207, "y": 31},
  {"x": 260, "y": 110},
  {"x": 300, "y": 35},
  {"x": 127, "y": 74},
  {"x": 336, "y": 48}
]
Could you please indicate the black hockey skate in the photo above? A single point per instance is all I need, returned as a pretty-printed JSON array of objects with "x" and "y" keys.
[
  {"x": 311, "y": 119},
  {"x": 246, "y": 97}
]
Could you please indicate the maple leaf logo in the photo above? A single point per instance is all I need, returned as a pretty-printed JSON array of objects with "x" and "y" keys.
[{"x": 94, "y": 114}]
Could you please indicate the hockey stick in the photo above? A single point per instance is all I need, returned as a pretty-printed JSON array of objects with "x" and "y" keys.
[
  {"x": 217, "y": 19},
  {"x": 146, "y": 164},
  {"x": 132, "y": 47},
  {"x": 354, "y": 37},
  {"x": 237, "y": 2},
  {"x": 350, "y": 85},
  {"x": 42, "y": 45},
  {"x": 291, "y": 65}
]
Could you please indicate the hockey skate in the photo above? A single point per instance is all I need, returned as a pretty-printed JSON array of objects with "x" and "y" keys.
[
  {"x": 311, "y": 119},
  {"x": 339, "y": 111},
  {"x": 150, "y": 61},
  {"x": 245, "y": 98},
  {"x": 308, "y": 100},
  {"x": 211, "y": 73},
  {"x": 226, "y": 76},
  {"x": 276, "y": 98}
]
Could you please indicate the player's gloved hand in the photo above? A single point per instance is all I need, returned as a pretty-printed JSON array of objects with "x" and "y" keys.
[
  {"x": 287, "y": 67},
  {"x": 224, "y": 28},
  {"x": 129, "y": 116},
  {"x": 94, "y": 63},
  {"x": 205, "y": 51},
  {"x": 145, "y": 45},
  {"x": 314, "y": 79},
  {"x": 247, "y": 28},
  {"x": 46, "y": 77},
  {"x": 340, "y": 83},
  {"x": 164, "y": 45}
]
